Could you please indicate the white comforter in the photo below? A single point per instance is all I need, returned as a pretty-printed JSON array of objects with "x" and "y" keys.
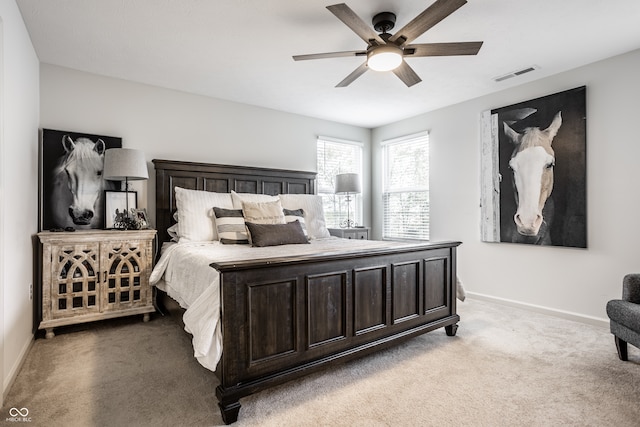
[{"x": 184, "y": 273}]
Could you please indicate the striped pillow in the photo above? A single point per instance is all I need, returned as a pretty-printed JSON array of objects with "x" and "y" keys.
[
  {"x": 292, "y": 215},
  {"x": 230, "y": 226}
]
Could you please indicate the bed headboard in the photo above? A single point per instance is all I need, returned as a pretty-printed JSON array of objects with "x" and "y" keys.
[{"x": 221, "y": 179}]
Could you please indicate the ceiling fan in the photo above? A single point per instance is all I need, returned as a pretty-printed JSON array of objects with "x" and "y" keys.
[{"x": 386, "y": 52}]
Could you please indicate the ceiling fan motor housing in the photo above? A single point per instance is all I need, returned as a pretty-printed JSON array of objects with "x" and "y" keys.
[{"x": 383, "y": 22}]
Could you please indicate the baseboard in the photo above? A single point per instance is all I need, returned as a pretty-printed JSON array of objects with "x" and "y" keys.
[
  {"x": 590, "y": 320},
  {"x": 13, "y": 373}
]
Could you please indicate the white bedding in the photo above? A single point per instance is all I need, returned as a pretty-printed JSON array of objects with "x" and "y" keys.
[{"x": 184, "y": 273}]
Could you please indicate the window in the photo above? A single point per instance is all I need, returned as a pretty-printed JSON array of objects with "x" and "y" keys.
[
  {"x": 405, "y": 188},
  {"x": 338, "y": 156}
]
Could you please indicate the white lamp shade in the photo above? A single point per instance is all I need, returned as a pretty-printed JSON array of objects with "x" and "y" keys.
[
  {"x": 384, "y": 58},
  {"x": 348, "y": 183},
  {"x": 124, "y": 163}
]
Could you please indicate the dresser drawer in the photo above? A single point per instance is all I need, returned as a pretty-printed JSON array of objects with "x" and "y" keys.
[{"x": 361, "y": 233}]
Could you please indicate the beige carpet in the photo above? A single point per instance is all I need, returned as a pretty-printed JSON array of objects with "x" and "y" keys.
[{"x": 506, "y": 367}]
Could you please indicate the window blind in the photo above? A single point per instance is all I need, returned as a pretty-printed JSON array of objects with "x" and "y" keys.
[
  {"x": 406, "y": 187},
  {"x": 335, "y": 156}
]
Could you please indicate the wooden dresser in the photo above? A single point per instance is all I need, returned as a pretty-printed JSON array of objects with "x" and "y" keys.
[{"x": 95, "y": 274}]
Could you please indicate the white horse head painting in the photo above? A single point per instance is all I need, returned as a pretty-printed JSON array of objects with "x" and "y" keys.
[
  {"x": 532, "y": 164},
  {"x": 534, "y": 171},
  {"x": 78, "y": 184}
]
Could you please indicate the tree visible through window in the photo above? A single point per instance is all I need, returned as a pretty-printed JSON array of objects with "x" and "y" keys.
[
  {"x": 336, "y": 156},
  {"x": 406, "y": 187}
]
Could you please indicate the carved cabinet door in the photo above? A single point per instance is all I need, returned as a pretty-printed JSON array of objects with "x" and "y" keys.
[
  {"x": 125, "y": 268},
  {"x": 74, "y": 280}
]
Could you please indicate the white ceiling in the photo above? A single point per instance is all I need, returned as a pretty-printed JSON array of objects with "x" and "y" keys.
[{"x": 241, "y": 50}]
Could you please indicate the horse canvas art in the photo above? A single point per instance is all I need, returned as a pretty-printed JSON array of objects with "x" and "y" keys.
[
  {"x": 534, "y": 171},
  {"x": 532, "y": 164},
  {"x": 72, "y": 184}
]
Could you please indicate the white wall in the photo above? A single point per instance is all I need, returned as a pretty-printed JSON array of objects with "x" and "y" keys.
[
  {"x": 174, "y": 125},
  {"x": 568, "y": 281},
  {"x": 18, "y": 164}
]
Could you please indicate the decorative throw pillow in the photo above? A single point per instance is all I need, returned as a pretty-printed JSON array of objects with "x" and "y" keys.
[
  {"x": 238, "y": 198},
  {"x": 311, "y": 204},
  {"x": 230, "y": 226},
  {"x": 263, "y": 212},
  {"x": 276, "y": 234},
  {"x": 291, "y": 215},
  {"x": 195, "y": 216}
]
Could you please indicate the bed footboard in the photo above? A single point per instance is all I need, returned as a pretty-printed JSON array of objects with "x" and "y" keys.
[{"x": 282, "y": 319}]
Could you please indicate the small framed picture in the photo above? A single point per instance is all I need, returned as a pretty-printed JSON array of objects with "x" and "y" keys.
[
  {"x": 140, "y": 218},
  {"x": 115, "y": 207}
]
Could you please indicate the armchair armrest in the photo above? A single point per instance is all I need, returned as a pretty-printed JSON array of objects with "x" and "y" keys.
[{"x": 631, "y": 288}]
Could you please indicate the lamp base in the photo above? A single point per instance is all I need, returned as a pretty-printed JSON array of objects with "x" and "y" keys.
[{"x": 348, "y": 223}]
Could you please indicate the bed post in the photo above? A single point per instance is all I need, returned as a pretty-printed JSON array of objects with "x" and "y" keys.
[{"x": 229, "y": 407}]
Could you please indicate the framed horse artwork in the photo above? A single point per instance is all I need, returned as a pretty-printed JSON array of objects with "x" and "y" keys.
[
  {"x": 534, "y": 171},
  {"x": 71, "y": 183}
]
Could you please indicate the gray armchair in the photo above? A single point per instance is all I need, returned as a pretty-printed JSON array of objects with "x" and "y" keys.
[{"x": 624, "y": 315}]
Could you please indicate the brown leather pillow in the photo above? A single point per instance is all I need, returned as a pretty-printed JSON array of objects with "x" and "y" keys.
[{"x": 276, "y": 234}]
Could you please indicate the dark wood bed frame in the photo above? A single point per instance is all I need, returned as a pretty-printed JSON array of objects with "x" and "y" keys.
[{"x": 286, "y": 317}]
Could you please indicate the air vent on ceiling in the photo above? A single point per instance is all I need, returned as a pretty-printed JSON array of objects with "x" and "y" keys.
[{"x": 515, "y": 73}]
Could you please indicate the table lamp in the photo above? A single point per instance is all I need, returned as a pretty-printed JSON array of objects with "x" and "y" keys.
[
  {"x": 348, "y": 184},
  {"x": 125, "y": 164}
]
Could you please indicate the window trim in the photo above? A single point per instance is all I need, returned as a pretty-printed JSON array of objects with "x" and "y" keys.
[
  {"x": 384, "y": 145},
  {"x": 357, "y": 199}
]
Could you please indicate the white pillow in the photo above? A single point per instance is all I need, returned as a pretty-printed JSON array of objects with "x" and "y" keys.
[
  {"x": 173, "y": 232},
  {"x": 195, "y": 213},
  {"x": 238, "y": 198},
  {"x": 311, "y": 205}
]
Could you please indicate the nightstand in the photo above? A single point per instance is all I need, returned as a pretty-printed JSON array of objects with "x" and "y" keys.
[
  {"x": 94, "y": 275},
  {"x": 351, "y": 233}
]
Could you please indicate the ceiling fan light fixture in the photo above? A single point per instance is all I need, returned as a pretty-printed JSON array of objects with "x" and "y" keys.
[{"x": 384, "y": 58}]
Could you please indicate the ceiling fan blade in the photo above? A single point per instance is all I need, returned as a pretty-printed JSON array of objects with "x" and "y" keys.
[
  {"x": 406, "y": 74},
  {"x": 353, "y": 21},
  {"x": 330, "y": 55},
  {"x": 427, "y": 19},
  {"x": 354, "y": 75},
  {"x": 442, "y": 49}
]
